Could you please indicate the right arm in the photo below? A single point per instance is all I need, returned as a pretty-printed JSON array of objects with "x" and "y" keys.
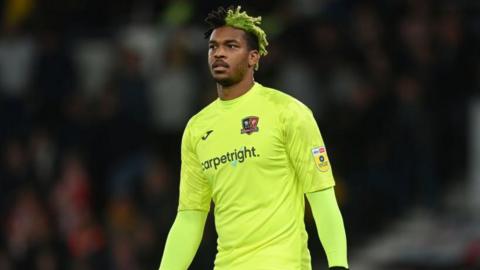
[
  {"x": 183, "y": 240},
  {"x": 194, "y": 203}
]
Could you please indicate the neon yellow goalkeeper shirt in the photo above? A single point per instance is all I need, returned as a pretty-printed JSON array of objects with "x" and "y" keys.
[{"x": 255, "y": 156}]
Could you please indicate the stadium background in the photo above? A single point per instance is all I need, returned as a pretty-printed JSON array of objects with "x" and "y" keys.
[{"x": 94, "y": 96}]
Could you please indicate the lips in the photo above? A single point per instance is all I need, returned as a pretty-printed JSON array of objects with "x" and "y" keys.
[{"x": 219, "y": 64}]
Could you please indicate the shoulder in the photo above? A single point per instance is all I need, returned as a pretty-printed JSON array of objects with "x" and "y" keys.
[
  {"x": 286, "y": 105},
  {"x": 206, "y": 112},
  {"x": 196, "y": 124}
]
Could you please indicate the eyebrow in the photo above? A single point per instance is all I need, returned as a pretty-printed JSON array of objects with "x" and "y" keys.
[{"x": 225, "y": 41}]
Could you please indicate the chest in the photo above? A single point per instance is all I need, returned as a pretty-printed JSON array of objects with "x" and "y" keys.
[{"x": 235, "y": 142}]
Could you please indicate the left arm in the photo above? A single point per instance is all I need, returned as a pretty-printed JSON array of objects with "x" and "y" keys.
[
  {"x": 308, "y": 156},
  {"x": 329, "y": 226}
]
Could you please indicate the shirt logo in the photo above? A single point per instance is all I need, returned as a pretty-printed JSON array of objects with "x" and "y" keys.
[
  {"x": 204, "y": 137},
  {"x": 321, "y": 158},
  {"x": 249, "y": 125},
  {"x": 234, "y": 157}
]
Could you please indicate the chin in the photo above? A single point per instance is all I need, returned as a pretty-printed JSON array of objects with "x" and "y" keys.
[{"x": 224, "y": 81}]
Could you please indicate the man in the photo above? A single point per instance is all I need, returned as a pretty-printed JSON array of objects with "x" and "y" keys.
[{"x": 255, "y": 151}]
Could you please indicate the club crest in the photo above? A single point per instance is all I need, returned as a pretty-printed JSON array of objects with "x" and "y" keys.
[{"x": 249, "y": 125}]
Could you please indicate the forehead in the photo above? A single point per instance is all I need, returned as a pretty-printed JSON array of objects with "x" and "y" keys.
[{"x": 227, "y": 33}]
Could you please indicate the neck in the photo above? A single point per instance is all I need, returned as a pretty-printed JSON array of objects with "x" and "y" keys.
[{"x": 236, "y": 90}]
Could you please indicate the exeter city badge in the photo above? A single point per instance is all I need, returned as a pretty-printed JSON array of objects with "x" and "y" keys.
[
  {"x": 321, "y": 158},
  {"x": 249, "y": 125}
]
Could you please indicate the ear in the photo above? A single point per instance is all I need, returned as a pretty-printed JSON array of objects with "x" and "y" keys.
[{"x": 253, "y": 58}]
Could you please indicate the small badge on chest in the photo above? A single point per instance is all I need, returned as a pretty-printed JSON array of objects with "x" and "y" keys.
[{"x": 249, "y": 124}]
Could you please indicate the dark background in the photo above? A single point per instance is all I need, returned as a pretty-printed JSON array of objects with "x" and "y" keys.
[{"x": 94, "y": 96}]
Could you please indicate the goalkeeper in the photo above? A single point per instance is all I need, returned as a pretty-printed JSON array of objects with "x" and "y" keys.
[{"x": 257, "y": 153}]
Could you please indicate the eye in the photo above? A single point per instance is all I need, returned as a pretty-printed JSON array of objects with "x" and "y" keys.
[
  {"x": 212, "y": 46},
  {"x": 232, "y": 46}
]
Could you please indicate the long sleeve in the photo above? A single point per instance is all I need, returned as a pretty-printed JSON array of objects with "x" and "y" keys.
[
  {"x": 329, "y": 222},
  {"x": 183, "y": 240},
  {"x": 306, "y": 148}
]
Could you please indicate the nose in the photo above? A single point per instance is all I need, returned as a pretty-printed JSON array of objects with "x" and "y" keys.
[{"x": 219, "y": 53}]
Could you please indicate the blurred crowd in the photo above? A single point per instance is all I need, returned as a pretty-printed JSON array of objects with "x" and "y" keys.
[{"x": 94, "y": 96}]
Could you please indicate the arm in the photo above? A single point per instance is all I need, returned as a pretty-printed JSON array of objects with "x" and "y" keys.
[
  {"x": 329, "y": 226},
  {"x": 308, "y": 156},
  {"x": 194, "y": 203},
  {"x": 183, "y": 240}
]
